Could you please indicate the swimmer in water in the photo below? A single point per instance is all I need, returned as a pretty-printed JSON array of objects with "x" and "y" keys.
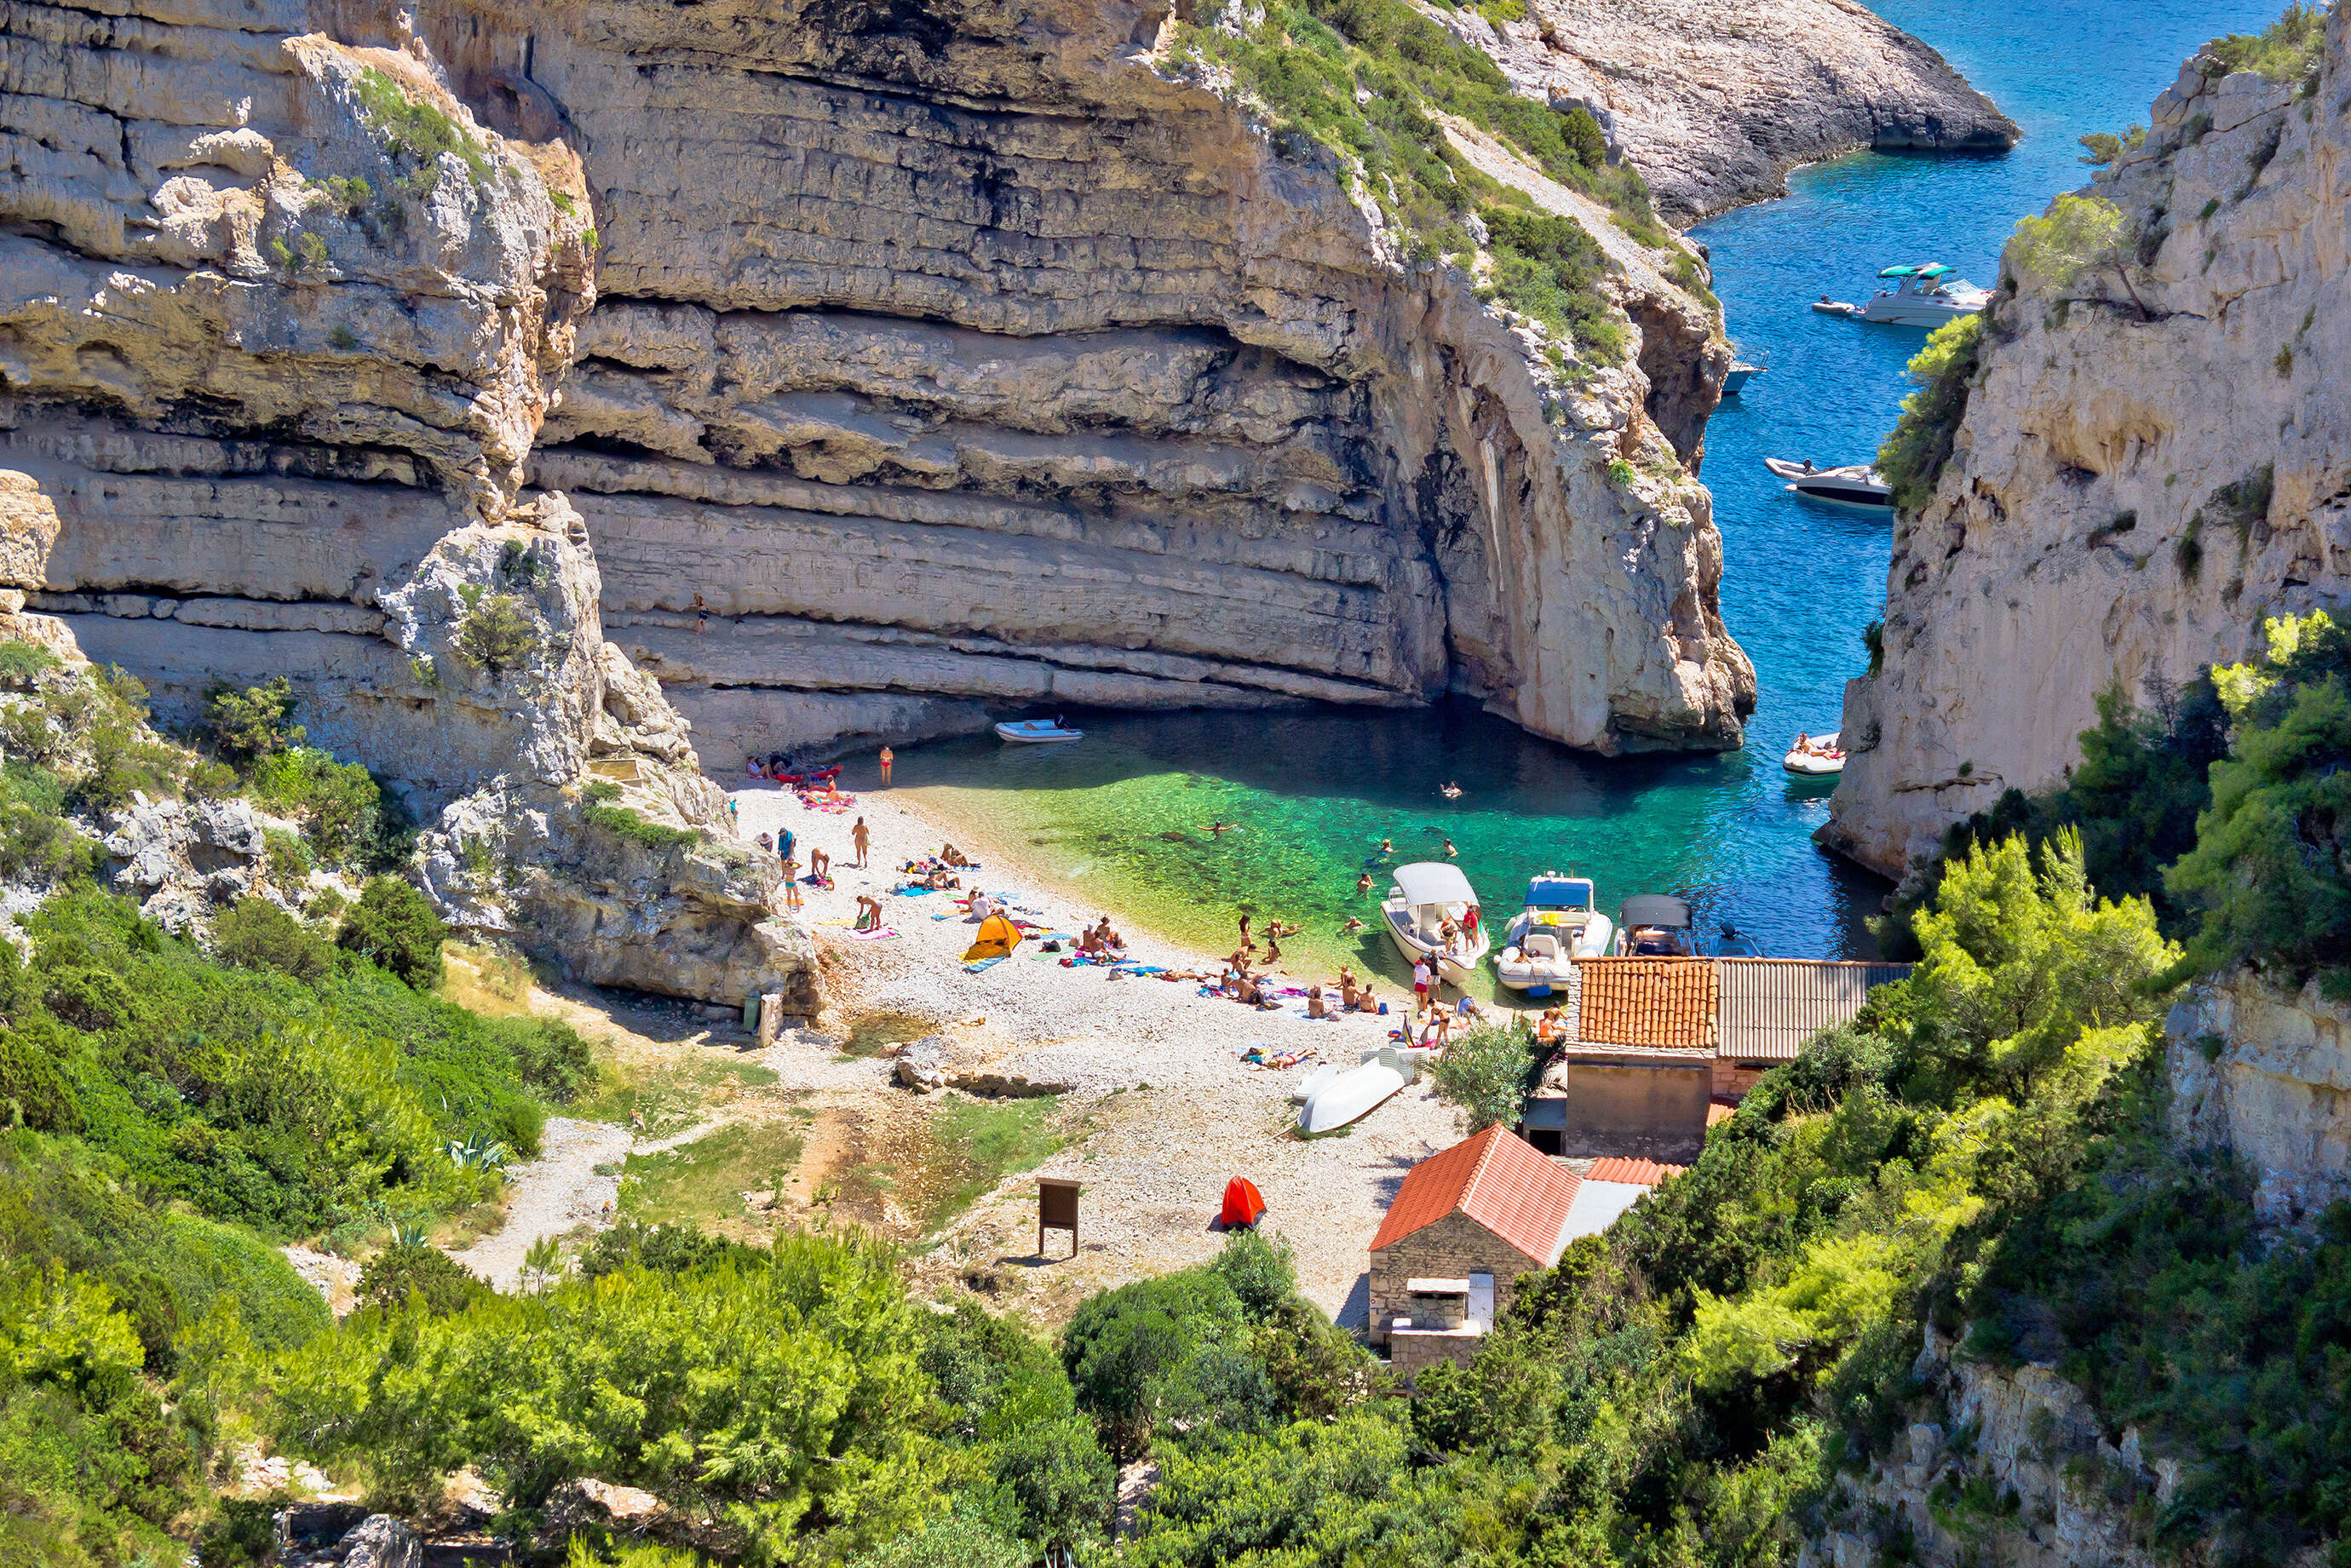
[
  {"x": 1352, "y": 924},
  {"x": 1451, "y": 791},
  {"x": 1388, "y": 846},
  {"x": 1450, "y": 852},
  {"x": 1222, "y": 828},
  {"x": 1363, "y": 883}
]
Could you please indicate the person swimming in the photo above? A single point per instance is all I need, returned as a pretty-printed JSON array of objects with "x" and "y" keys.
[
  {"x": 1388, "y": 846},
  {"x": 1450, "y": 852},
  {"x": 1363, "y": 883},
  {"x": 1451, "y": 791}
]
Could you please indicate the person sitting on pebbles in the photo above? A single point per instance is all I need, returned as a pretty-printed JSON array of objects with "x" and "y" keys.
[
  {"x": 950, "y": 855},
  {"x": 1108, "y": 941},
  {"x": 1315, "y": 1008}
]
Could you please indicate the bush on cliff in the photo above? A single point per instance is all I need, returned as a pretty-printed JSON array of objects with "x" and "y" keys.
[
  {"x": 2272, "y": 865},
  {"x": 1912, "y": 458},
  {"x": 394, "y": 925},
  {"x": 2289, "y": 50}
]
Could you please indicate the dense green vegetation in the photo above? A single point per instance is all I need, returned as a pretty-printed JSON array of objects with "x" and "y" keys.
[
  {"x": 2288, "y": 49},
  {"x": 1912, "y": 458},
  {"x": 1372, "y": 81}
]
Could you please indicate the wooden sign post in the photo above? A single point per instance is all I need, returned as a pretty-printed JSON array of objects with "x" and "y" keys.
[{"x": 1057, "y": 1209}]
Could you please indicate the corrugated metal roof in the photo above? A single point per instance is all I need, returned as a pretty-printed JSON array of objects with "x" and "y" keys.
[
  {"x": 1767, "y": 1007},
  {"x": 1496, "y": 1179},
  {"x": 1647, "y": 1001}
]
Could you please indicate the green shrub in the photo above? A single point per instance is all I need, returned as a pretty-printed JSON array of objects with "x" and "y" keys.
[
  {"x": 548, "y": 1054},
  {"x": 418, "y": 132},
  {"x": 1263, "y": 1273},
  {"x": 949, "y": 1541},
  {"x": 394, "y": 926},
  {"x": 253, "y": 722},
  {"x": 348, "y": 817},
  {"x": 626, "y": 822},
  {"x": 1059, "y": 1481},
  {"x": 22, "y": 664},
  {"x": 2271, "y": 866},
  {"x": 2289, "y": 50},
  {"x": 2079, "y": 234},
  {"x": 497, "y": 633},
  {"x": 2103, "y": 146},
  {"x": 1158, "y": 1349},
  {"x": 1487, "y": 1074},
  {"x": 258, "y": 934},
  {"x": 440, "y": 1284},
  {"x": 1912, "y": 458}
]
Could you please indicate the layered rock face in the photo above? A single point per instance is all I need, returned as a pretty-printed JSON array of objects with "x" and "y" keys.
[
  {"x": 1715, "y": 103},
  {"x": 2153, "y": 458},
  {"x": 279, "y": 323},
  {"x": 2266, "y": 1072},
  {"x": 964, "y": 352}
]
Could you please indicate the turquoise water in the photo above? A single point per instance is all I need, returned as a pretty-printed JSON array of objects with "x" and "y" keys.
[{"x": 1125, "y": 814}]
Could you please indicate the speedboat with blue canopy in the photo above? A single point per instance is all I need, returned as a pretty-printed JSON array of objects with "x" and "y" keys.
[
  {"x": 1925, "y": 295},
  {"x": 1560, "y": 924}
]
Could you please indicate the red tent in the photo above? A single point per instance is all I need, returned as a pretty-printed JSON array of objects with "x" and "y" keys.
[{"x": 1242, "y": 1204}]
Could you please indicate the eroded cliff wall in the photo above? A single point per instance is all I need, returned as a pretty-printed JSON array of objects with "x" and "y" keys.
[
  {"x": 963, "y": 354},
  {"x": 2155, "y": 455},
  {"x": 280, "y": 321}
]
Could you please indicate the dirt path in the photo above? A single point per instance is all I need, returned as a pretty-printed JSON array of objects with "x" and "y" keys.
[{"x": 552, "y": 1195}]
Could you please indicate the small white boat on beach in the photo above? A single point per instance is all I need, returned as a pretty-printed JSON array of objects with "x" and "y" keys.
[
  {"x": 1823, "y": 758},
  {"x": 1559, "y": 925},
  {"x": 1036, "y": 731},
  {"x": 1927, "y": 295},
  {"x": 1856, "y": 488},
  {"x": 1337, "y": 1097},
  {"x": 1425, "y": 894}
]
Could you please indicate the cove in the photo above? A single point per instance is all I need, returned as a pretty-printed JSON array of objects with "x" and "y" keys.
[{"x": 1123, "y": 816}]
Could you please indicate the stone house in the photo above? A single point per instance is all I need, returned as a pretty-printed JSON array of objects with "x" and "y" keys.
[{"x": 1467, "y": 1222}]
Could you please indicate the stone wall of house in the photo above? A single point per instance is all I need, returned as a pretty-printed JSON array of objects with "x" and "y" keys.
[{"x": 1449, "y": 1248}]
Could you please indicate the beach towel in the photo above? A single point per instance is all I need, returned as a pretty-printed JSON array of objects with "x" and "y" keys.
[
  {"x": 976, "y": 966},
  {"x": 913, "y": 889},
  {"x": 875, "y": 935}
]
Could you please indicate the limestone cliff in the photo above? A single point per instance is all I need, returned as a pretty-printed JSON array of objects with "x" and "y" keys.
[
  {"x": 985, "y": 351},
  {"x": 1715, "y": 103},
  {"x": 2153, "y": 457},
  {"x": 279, "y": 323}
]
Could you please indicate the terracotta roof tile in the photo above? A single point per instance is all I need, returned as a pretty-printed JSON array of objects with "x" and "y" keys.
[
  {"x": 1633, "y": 1173},
  {"x": 1495, "y": 1178},
  {"x": 1648, "y": 1001}
]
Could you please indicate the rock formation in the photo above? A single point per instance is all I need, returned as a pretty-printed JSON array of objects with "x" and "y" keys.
[
  {"x": 1715, "y": 103},
  {"x": 2266, "y": 1072},
  {"x": 1000, "y": 359},
  {"x": 279, "y": 323},
  {"x": 2151, "y": 460}
]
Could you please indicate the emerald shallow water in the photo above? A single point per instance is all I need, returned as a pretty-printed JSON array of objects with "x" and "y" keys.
[{"x": 1123, "y": 815}]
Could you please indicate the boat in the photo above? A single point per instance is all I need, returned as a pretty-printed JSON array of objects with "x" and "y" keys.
[
  {"x": 1926, "y": 295},
  {"x": 1559, "y": 925},
  {"x": 1735, "y": 378},
  {"x": 1856, "y": 488},
  {"x": 1036, "y": 731},
  {"x": 1733, "y": 943},
  {"x": 1337, "y": 1098},
  {"x": 1424, "y": 896},
  {"x": 1654, "y": 925},
  {"x": 1825, "y": 759}
]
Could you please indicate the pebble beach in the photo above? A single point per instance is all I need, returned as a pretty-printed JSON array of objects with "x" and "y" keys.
[{"x": 1174, "y": 1108}]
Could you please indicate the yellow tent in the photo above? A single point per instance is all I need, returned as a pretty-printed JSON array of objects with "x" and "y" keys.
[{"x": 997, "y": 937}]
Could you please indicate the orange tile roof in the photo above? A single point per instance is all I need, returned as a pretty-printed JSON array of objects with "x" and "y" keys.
[
  {"x": 1647, "y": 1001},
  {"x": 1496, "y": 1178},
  {"x": 1634, "y": 1173}
]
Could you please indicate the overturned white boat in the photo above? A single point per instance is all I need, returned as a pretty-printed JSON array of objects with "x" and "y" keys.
[
  {"x": 1856, "y": 486},
  {"x": 1337, "y": 1097},
  {"x": 1821, "y": 756},
  {"x": 1559, "y": 925},
  {"x": 1425, "y": 894},
  {"x": 1036, "y": 732}
]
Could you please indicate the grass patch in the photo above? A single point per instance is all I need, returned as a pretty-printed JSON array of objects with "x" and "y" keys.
[
  {"x": 979, "y": 1143},
  {"x": 419, "y": 132},
  {"x": 673, "y": 1097},
  {"x": 626, "y": 822},
  {"x": 704, "y": 1181}
]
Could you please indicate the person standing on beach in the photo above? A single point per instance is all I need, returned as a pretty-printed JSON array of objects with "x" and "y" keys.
[
  {"x": 791, "y": 882},
  {"x": 1421, "y": 976},
  {"x": 888, "y": 757},
  {"x": 860, "y": 837},
  {"x": 1246, "y": 942}
]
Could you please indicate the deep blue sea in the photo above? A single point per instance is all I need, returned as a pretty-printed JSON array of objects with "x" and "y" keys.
[{"x": 1124, "y": 813}]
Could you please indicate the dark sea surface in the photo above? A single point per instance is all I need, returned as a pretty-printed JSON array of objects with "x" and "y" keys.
[{"x": 1124, "y": 815}]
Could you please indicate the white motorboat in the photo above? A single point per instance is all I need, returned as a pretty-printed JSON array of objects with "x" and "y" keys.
[
  {"x": 1558, "y": 925},
  {"x": 1654, "y": 925},
  {"x": 1856, "y": 488},
  {"x": 1337, "y": 1097},
  {"x": 1036, "y": 732},
  {"x": 1425, "y": 894},
  {"x": 1734, "y": 378},
  {"x": 1927, "y": 295},
  {"x": 1824, "y": 759}
]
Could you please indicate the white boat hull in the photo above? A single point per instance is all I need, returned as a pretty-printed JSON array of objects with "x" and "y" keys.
[
  {"x": 1519, "y": 972},
  {"x": 1900, "y": 312},
  {"x": 1845, "y": 500},
  {"x": 1337, "y": 1097},
  {"x": 1456, "y": 968},
  {"x": 1036, "y": 733}
]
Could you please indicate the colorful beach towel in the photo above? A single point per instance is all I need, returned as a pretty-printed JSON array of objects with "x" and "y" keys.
[
  {"x": 977, "y": 964},
  {"x": 875, "y": 935}
]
